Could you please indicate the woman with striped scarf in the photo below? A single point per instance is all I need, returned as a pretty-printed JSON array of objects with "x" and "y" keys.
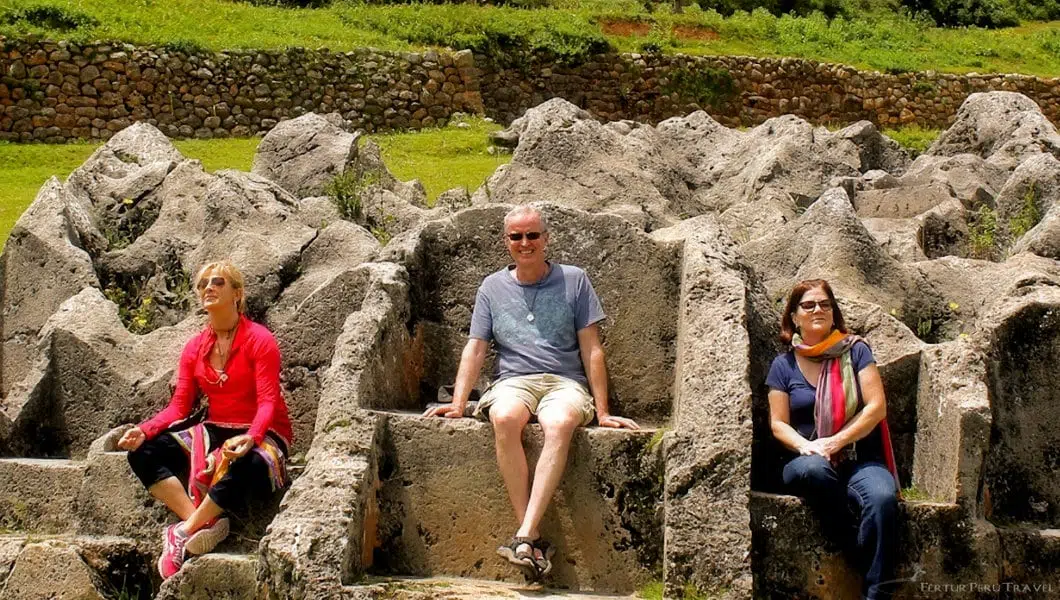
[
  {"x": 238, "y": 450},
  {"x": 827, "y": 407}
]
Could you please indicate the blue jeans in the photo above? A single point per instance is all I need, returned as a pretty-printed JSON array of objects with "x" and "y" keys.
[{"x": 866, "y": 486}]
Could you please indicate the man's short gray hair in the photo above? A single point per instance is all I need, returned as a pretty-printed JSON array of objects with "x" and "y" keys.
[{"x": 525, "y": 209}]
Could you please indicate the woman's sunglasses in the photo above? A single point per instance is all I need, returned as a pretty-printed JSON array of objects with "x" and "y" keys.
[
  {"x": 530, "y": 235},
  {"x": 217, "y": 282},
  {"x": 809, "y": 305}
]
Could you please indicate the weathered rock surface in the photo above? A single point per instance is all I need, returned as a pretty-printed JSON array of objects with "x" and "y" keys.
[
  {"x": 214, "y": 576},
  {"x": 792, "y": 559},
  {"x": 606, "y": 518},
  {"x": 829, "y": 241},
  {"x": 43, "y": 264},
  {"x": 303, "y": 155},
  {"x": 1024, "y": 344},
  {"x": 1004, "y": 128},
  {"x": 723, "y": 345},
  {"x": 635, "y": 278},
  {"x": 50, "y": 570}
]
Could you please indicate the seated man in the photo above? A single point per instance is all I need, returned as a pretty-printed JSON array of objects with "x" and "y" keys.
[{"x": 543, "y": 318}]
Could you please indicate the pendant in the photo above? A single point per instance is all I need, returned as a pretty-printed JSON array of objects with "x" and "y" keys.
[
  {"x": 530, "y": 317},
  {"x": 222, "y": 377}
]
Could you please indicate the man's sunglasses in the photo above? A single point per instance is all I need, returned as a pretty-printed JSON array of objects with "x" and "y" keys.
[
  {"x": 809, "y": 305},
  {"x": 217, "y": 282},
  {"x": 530, "y": 235}
]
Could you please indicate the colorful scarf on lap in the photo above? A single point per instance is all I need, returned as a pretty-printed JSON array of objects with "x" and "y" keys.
[
  {"x": 207, "y": 468},
  {"x": 838, "y": 397}
]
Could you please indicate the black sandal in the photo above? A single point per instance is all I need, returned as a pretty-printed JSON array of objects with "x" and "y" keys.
[
  {"x": 543, "y": 564},
  {"x": 523, "y": 560}
]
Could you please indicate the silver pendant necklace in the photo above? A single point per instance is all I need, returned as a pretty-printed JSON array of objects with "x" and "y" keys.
[
  {"x": 530, "y": 307},
  {"x": 533, "y": 299}
]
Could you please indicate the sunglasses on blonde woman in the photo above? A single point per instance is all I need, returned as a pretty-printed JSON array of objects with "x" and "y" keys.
[
  {"x": 217, "y": 282},
  {"x": 809, "y": 305}
]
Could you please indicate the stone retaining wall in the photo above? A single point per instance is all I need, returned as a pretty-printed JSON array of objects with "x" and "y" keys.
[
  {"x": 63, "y": 91},
  {"x": 59, "y": 91},
  {"x": 742, "y": 91}
]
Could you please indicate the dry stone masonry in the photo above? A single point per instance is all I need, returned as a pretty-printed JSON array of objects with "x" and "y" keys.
[
  {"x": 62, "y": 91},
  {"x": 692, "y": 233}
]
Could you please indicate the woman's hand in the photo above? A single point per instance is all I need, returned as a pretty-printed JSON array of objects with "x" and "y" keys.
[
  {"x": 132, "y": 439},
  {"x": 237, "y": 446},
  {"x": 824, "y": 447}
]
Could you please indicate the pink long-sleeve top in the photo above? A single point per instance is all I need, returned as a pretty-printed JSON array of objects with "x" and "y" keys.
[{"x": 249, "y": 399}]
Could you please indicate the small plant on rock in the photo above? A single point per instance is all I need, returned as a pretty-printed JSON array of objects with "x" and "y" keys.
[
  {"x": 347, "y": 191},
  {"x": 1027, "y": 217},
  {"x": 982, "y": 233}
]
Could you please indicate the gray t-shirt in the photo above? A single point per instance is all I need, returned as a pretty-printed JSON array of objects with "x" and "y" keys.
[{"x": 561, "y": 304}]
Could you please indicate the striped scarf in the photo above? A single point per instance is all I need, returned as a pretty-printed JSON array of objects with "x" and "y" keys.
[
  {"x": 838, "y": 396},
  {"x": 207, "y": 468}
]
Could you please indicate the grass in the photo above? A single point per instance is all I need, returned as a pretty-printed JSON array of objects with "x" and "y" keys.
[
  {"x": 440, "y": 158},
  {"x": 25, "y": 167},
  {"x": 443, "y": 158},
  {"x": 882, "y": 41},
  {"x": 913, "y": 138}
]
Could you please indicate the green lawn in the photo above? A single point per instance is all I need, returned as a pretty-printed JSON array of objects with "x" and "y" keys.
[
  {"x": 440, "y": 158},
  {"x": 572, "y": 28}
]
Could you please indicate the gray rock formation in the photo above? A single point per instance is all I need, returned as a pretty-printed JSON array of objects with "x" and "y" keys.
[
  {"x": 692, "y": 234},
  {"x": 303, "y": 155},
  {"x": 1005, "y": 128}
]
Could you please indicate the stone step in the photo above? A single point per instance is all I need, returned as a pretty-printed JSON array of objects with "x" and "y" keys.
[
  {"x": 38, "y": 495},
  {"x": 36, "y": 567},
  {"x": 443, "y": 508},
  {"x": 451, "y": 588},
  {"x": 214, "y": 576},
  {"x": 938, "y": 545}
]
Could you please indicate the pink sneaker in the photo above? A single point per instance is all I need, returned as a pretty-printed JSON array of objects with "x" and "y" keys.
[
  {"x": 207, "y": 538},
  {"x": 172, "y": 551}
]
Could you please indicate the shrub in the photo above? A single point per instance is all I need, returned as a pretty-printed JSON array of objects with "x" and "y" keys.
[
  {"x": 707, "y": 86},
  {"x": 966, "y": 13},
  {"x": 291, "y": 3},
  {"x": 830, "y": 8},
  {"x": 504, "y": 33},
  {"x": 184, "y": 46},
  {"x": 55, "y": 18}
]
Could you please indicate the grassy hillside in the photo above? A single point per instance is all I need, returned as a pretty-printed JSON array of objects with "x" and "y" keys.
[{"x": 883, "y": 40}]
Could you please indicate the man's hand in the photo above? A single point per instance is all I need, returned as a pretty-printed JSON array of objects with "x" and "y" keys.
[
  {"x": 617, "y": 422},
  {"x": 132, "y": 439},
  {"x": 451, "y": 410},
  {"x": 237, "y": 446}
]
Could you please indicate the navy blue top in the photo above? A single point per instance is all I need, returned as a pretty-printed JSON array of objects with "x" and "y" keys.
[{"x": 785, "y": 376}]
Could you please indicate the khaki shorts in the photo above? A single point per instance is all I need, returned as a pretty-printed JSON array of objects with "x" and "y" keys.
[{"x": 537, "y": 392}]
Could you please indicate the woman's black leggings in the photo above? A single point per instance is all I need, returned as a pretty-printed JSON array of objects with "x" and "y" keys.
[{"x": 163, "y": 457}]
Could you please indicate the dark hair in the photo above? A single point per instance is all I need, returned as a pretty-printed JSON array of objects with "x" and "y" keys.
[{"x": 787, "y": 324}]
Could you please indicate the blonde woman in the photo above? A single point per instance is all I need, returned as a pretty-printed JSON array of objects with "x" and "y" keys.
[{"x": 238, "y": 451}]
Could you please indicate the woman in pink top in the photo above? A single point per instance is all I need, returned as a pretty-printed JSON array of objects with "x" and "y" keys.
[{"x": 239, "y": 450}]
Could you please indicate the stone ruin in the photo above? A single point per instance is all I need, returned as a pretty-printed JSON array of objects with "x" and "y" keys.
[{"x": 691, "y": 232}]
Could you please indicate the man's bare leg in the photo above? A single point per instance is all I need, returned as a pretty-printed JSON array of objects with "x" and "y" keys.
[
  {"x": 509, "y": 417},
  {"x": 558, "y": 423}
]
